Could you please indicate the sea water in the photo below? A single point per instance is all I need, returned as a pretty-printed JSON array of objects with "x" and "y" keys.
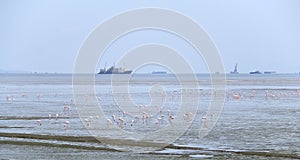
[{"x": 262, "y": 123}]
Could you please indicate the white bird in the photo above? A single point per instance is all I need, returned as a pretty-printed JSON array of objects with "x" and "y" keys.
[
  {"x": 121, "y": 122},
  {"x": 108, "y": 122},
  {"x": 39, "y": 122},
  {"x": 67, "y": 110},
  {"x": 66, "y": 124},
  {"x": 113, "y": 118},
  {"x": 56, "y": 117},
  {"x": 171, "y": 119},
  {"x": 236, "y": 96},
  {"x": 131, "y": 124},
  {"x": 158, "y": 120},
  {"x": 49, "y": 117},
  {"x": 87, "y": 121}
]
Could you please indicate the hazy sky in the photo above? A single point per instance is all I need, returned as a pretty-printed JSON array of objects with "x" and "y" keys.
[{"x": 45, "y": 35}]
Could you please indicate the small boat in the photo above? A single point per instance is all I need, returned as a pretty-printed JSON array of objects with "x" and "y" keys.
[
  {"x": 235, "y": 70},
  {"x": 256, "y": 72}
]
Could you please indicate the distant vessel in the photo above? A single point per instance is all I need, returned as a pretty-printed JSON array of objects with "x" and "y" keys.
[
  {"x": 269, "y": 72},
  {"x": 235, "y": 70},
  {"x": 114, "y": 70},
  {"x": 255, "y": 72},
  {"x": 159, "y": 72}
]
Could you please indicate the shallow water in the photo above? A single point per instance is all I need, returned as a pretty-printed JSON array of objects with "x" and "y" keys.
[{"x": 254, "y": 126}]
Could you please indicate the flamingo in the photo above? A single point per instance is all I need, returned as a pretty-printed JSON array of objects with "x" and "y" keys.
[
  {"x": 131, "y": 124},
  {"x": 56, "y": 117},
  {"x": 169, "y": 112},
  {"x": 266, "y": 93},
  {"x": 171, "y": 119},
  {"x": 187, "y": 116},
  {"x": 24, "y": 94},
  {"x": 67, "y": 108},
  {"x": 158, "y": 120},
  {"x": 113, "y": 118},
  {"x": 144, "y": 118},
  {"x": 66, "y": 124},
  {"x": 121, "y": 120},
  {"x": 87, "y": 121},
  {"x": 108, "y": 122},
  {"x": 236, "y": 96},
  {"x": 39, "y": 122},
  {"x": 49, "y": 117},
  {"x": 136, "y": 118}
]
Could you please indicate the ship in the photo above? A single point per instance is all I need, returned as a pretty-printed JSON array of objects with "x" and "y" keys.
[
  {"x": 269, "y": 72},
  {"x": 256, "y": 72},
  {"x": 159, "y": 72},
  {"x": 114, "y": 70},
  {"x": 235, "y": 70}
]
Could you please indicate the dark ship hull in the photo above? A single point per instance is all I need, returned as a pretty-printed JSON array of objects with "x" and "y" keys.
[
  {"x": 256, "y": 72},
  {"x": 125, "y": 72},
  {"x": 159, "y": 72}
]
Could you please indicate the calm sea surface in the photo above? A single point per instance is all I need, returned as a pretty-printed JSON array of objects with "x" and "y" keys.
[{"x": 260, "y": 117}]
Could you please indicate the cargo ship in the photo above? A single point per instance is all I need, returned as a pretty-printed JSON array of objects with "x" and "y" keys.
[
  {"x": 269, "y": 72},
  {"x": 114, "y": 70}
]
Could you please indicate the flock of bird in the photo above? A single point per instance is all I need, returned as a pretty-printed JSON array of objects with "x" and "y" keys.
[
  {"x": 66, "y": 111},
  {"x": 122, "y": 119},
  {"x": 65, "y": 114},
  {"x": 266, "y": 94}
]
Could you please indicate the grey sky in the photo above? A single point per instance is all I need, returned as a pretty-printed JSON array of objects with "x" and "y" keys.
[{"x": 45, "y": 36}]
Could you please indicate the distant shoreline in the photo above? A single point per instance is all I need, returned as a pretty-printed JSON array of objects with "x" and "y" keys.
[{"x": 227, "y": 74}]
